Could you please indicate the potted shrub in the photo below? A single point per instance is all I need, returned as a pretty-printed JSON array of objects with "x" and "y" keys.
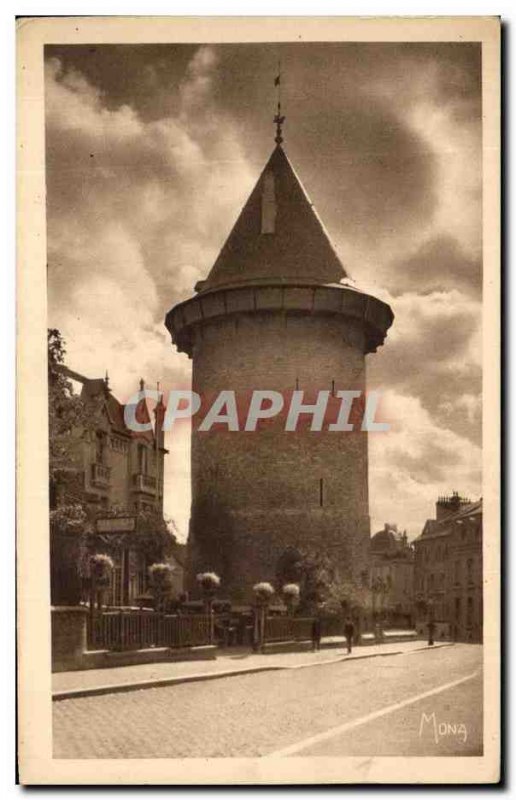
[
  {"x": 263, "y": 593},
  {"x": 209, "y": 583},
  {"x": 101, "y": 567},
  {"x": 160, "y": 575},
  {"x": 290, "y": 592}
]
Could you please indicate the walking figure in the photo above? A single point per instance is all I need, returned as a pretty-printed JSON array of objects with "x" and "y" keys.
[
  {"x": 431, "y": 631},
  {"x": 316, "y": 633},
  {"x": 349, "y": 632}
]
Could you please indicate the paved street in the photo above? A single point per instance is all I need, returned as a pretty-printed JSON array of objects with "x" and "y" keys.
[{"x": 380, "y": 706}]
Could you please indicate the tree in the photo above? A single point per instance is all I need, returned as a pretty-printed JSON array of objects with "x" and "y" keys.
[
  {"x": 155, "y": 536},
  {"x": 313, "y": 573},
  {"x": 69, "y": 417}
]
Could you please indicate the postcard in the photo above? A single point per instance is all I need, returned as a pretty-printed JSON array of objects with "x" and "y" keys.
[{"x": 258, "y": 381}]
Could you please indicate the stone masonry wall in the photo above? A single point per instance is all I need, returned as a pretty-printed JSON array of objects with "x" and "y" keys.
[{"x": 255, "y": 493}]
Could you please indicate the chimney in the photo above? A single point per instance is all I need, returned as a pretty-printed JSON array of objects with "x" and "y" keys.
[{"x": 449, "y": 504}]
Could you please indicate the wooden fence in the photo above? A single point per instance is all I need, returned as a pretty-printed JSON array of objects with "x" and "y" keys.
[{"x": 128, "y": 630}]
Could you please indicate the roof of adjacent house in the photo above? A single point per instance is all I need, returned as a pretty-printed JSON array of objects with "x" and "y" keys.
[
  {"x": 93, "y": 388},
  {"x": 441, "y": 527}
]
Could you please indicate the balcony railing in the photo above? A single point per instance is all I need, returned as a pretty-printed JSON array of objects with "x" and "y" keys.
[
  {"x": 100, "y": 475},
  {"x": 144, "y": 483}
]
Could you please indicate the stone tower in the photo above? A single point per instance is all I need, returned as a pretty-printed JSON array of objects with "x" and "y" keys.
[{"x": 277, "y": 311}]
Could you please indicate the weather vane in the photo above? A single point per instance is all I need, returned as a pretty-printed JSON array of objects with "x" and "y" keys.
[{"x": 278, "y": 119}]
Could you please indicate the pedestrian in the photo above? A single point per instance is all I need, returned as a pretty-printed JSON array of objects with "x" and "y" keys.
[
  {"x": 349, "y": 631},
  {"x": 431, "y": 631},
  {"x": 316, "y": 633}
]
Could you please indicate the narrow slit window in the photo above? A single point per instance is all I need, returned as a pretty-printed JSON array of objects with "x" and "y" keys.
[{"x": 321, "y": 492}]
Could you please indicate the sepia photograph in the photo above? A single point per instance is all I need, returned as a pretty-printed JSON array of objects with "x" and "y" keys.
[{"x": 264, "y": 315}]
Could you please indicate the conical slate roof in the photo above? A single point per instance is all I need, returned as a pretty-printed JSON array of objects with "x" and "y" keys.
[{"x": 278, "y": 236}]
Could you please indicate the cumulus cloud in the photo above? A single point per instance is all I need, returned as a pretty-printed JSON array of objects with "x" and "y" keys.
[
  {"x": 412, "y": 463},
  {"x": 433, "y": 353},
  {"x": 137, "y": 211},
  {"x": 438, "y": 264},
  {"x": 151, "y": 153}
]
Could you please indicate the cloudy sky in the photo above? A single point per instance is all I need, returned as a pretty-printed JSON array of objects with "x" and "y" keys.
[{"x": 151, "y": 153}]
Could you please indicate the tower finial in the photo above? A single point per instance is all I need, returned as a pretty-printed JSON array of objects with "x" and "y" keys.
[
  {"x": 142, "y": 385},
  {"x": 278, "y": 119},
  {"x": 106, "y": 380}
]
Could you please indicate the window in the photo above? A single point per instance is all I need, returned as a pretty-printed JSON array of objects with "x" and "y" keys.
[
  {"x": 457, "y": 608},
  {"x": 469, "y": 565},
  {"x": 142, "y": 459},
  {"x": 457, "y": 572},
  {"x": 321, "y": 492},
  {"x": 100, "y": 447}
]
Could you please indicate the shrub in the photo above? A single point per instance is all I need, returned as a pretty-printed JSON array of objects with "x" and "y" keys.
[
  {"x": 263, "y": 591},
  {"x": 160, "y": 572},
  {"x": 208, "y": 581},
  {"x": 291, "y": 590},
  {"x": 101, "y": 564},
  {"x": 69, "y": 518},
  {"x": 161, "y": 582}
]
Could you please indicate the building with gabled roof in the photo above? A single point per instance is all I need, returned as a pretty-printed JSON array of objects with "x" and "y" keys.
[
  {"x": 117, "y": 475},
  {"x": 392, "y": 576},
  {"x": 448, "y": 573}
]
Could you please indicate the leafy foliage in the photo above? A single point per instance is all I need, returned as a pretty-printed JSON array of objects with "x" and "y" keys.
[
  {"x": 155, "y": 539},
  {"x": 68, "y": 518},
  {"x": 101, "y": 566},
  {"x": 69, "y": 417},
  {"x": 320, "y": 583},
  {"x": 161, "y": 583},
  {"x": 208, "y": 581},
  {"x": 263, "y": 591},
  {"x": 290, "y": 590}
]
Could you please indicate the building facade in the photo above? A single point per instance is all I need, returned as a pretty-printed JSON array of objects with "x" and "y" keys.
[
  {"x": 448, "y": 574},
  {"x": 277, "y": 312},
  {"x": 117, "y": 478},
  {"x": 392, "y": 576}
]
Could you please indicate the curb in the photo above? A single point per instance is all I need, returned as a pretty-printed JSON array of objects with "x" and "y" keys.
[{"x": 118, "y": 688}]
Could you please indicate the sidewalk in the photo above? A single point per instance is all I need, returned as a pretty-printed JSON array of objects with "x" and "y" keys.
[{"x": 83, "y": 683}]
